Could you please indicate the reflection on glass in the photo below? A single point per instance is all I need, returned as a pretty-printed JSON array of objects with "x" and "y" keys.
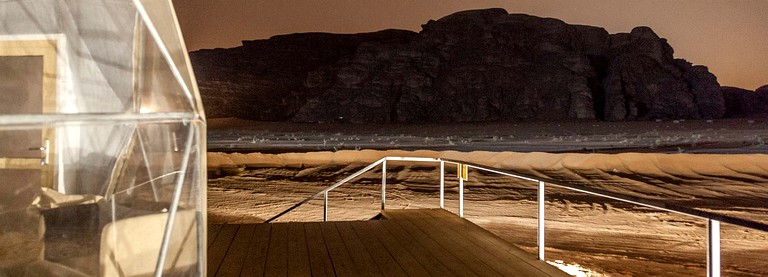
[{"x": 89, "y": 186}]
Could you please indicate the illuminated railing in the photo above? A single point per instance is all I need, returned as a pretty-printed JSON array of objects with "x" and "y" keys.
[{"x": 713, "y": 220}]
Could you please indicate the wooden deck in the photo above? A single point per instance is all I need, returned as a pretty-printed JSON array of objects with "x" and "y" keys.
[{"x": 431, "y": 242}]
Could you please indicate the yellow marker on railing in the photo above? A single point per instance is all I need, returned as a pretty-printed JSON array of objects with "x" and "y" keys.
[{"x": 462, "y": 172}]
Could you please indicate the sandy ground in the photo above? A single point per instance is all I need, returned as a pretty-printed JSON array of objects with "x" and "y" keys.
[
  {"x": 607, "y": 237},
  {"x": 677, "y": 136}
]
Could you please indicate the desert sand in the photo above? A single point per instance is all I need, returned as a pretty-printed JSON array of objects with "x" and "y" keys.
[
  {"x": 604, "y": 236},
  {"x": 732, "y": 136}
]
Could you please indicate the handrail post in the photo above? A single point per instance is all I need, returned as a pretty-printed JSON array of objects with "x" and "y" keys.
[
  {"x": 461, "y": 194},
  {"x": 713, "y": 248},
  {"x": 540, "y": 229},
  {"x": 383, "y": 184},
  {"x": 442, "y": 184},
  {"x": 325, "y": 206}
]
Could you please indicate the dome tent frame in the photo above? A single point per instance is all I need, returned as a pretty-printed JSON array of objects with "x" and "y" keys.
[{"x": 119, "y": 133}]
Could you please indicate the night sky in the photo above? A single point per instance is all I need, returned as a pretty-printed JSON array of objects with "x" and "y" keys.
[{"x": 729, "y": 36}]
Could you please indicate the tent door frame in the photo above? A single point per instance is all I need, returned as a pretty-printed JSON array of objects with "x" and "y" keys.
[{"x": 48, "y": 49}]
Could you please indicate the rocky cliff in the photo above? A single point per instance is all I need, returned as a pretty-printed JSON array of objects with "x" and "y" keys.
[
  {"x": 480, "y": 65},
  {"x": 745, "y": 103}
]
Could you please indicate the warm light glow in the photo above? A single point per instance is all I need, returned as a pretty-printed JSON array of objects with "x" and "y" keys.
[
  {"x": 575, "y": 269},
  {"x": 146, "y": 110}
]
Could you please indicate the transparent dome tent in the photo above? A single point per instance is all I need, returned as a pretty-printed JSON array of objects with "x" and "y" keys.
[{"x": 102, "y": 141}]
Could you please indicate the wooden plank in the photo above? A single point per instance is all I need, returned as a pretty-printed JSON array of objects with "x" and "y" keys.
[
  {"x": 494, "y": 244},
  {"x": 446, "y": 255},
  {"x": 374, "y": 230},
  {"x": 298, "y": 257},
  {"x": 238, "y": 249},
  {"x": 213, "y": 230},
  {"x": 219, "y": 247},
  {"x": 277, "y": 254},
  {"x": 416, "y": 249},
  {"x": 342, "y": 261},
  {"x": 319, "y": 259},
  {"x": 406, "y": 243},
  {"x": 480, "y": 235},
  {"x": 256, "y": 259},
  {"x": 360, "y": 256},
  {"x": 476, "y": 257},
  {"x": 383, "y": 259}
]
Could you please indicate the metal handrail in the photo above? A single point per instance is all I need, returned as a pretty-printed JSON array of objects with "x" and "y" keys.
[
  {"x": 325, "y": 192},
  {"x": 713, "y": 220}
]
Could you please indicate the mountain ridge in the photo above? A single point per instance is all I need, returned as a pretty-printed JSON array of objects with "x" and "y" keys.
[{"x": 470, "y": 66}]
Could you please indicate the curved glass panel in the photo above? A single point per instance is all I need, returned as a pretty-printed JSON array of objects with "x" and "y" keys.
[{"x": 102, "y": 141}]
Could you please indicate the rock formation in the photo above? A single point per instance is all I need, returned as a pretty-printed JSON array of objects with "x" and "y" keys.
[
  {"x": 479, "y": 65},
  {"x": 762, "y": 90},
  {"x": 745, "y": 103}
]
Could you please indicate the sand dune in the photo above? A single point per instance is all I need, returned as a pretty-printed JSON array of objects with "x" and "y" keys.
[{"x": 711, "y": 181}]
